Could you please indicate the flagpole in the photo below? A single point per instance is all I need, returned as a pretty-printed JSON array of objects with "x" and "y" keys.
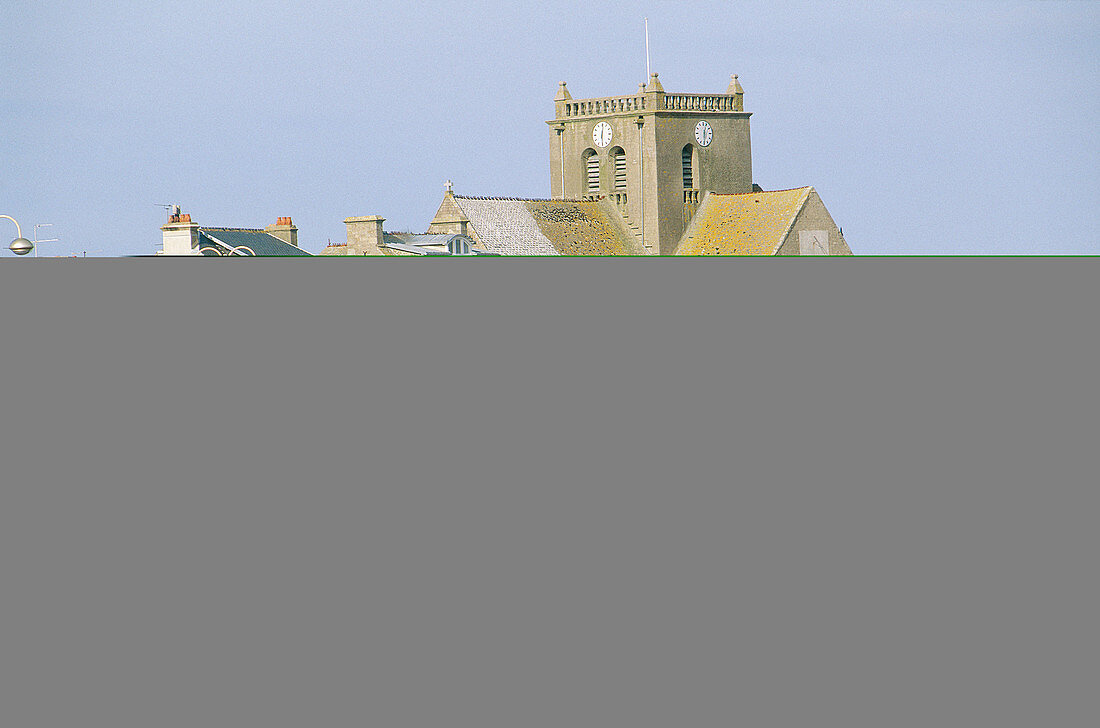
[{"x": 647, "y": 49}]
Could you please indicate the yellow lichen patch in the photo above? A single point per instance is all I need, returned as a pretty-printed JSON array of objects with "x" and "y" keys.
[
  {"x": 744, "y": 224},
  {"x": 578, "y": 228}
]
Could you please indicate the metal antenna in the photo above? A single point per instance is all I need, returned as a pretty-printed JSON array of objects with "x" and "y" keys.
[
  {"x": 170, "y": 209},
  {"x": 37, "y": 241},
  {"x": 647, "y": 49}
]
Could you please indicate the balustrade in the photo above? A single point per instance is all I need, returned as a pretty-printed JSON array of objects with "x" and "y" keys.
[
  {"x": 638, "y": 102},
  {"x": 611, "y": 105},
  {"x": 699, "y": 102}
]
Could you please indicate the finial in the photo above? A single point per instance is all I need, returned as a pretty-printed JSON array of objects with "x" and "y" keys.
[
  {"x": 654, "y": 83},
  {"x": 735, "y": 86},
  {"x": 563, "y": 93},
  {"x": 449, "y": 187}
]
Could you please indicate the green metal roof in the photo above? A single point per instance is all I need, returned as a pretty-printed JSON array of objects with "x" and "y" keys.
[{"x": 261, "y": 243}]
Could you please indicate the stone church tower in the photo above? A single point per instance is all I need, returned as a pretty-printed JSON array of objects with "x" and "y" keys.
[{"x": 652, "y": 153}]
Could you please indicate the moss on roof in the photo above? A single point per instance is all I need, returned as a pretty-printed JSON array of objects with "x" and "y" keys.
[
  {"x": 579, "y": 228},
  {"x": 753, "y": 223}
]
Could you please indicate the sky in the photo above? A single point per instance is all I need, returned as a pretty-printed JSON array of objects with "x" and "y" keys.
[{"x": 927, "y": 127}]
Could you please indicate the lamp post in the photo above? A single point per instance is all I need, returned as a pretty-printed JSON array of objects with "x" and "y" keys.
[{"x": 19, "y": 246}]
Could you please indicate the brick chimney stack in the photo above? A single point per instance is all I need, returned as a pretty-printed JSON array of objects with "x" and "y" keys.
[
  {"x": 284, "y": 230},
  {"x": 180, "y": 235}
]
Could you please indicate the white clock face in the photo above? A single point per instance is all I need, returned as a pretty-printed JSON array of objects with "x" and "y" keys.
[
  {"x": 602, "y": 134},
  {"x": 703, "y": 133}
]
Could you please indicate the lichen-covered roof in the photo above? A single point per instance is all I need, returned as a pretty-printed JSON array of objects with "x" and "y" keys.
[
  {"x": 259, "y": 242},
  {"x": 753, "y": 223},
  {"x": 581, "y": 228},
  {"x": 546, "y": 227}
]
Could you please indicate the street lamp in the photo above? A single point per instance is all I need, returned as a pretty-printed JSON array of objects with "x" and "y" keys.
[{"x": 19, "y": 246}]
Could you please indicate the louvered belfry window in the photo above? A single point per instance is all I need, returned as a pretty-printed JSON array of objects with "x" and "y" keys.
[
  {"x": 593, "y": 163},
  {"x": 620, "y": 169},
  {"x": 688, "y": 180}
]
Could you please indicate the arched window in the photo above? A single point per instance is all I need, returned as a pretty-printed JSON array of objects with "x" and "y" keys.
[
  {"x": 591, "y": 172},
  {"x": 688, "y": 164},
  {"x": 618, "y": 157}
]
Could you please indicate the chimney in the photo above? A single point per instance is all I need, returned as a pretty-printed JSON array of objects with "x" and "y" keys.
[
  {"x": 180, "y": 235},
  {"x": 284, "y": 230},
  {"x": 365, "y": 235}
]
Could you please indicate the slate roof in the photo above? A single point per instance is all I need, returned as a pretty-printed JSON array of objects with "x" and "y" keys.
[
  {"x": 259, "y": 241},
  {"x": 547, "y": 227},
  {"x": 753, "y": 223},
  {"x": 505, "y": 226}
]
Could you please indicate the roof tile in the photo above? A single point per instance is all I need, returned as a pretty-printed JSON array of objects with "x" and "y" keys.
[
  {"x": 753, "y": 223},
  {"x": 511, "y": 226},
  {"x": 260, "y": 242}
]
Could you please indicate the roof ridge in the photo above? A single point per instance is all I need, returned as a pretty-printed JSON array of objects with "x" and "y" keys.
[
  {"x": 798, "y": 211},
  {"x": 762, "y": 192},
  {"x": 519, "y": 199}
]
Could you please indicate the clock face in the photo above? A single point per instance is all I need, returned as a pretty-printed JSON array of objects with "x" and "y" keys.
[
  {"x": 602, "y": 134},
  {"x": 703, "y": 133}
]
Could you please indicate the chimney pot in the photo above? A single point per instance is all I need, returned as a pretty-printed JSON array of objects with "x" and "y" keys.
[
  {"x": 280, "y": 231},
  {"x": 185, "y": 217}
]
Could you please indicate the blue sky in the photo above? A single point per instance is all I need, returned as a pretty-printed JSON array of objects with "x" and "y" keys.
[{"x": 927, "y": 127}]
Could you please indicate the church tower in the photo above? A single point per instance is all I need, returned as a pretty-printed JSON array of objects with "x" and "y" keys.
[{"x": 652, "y": 153}]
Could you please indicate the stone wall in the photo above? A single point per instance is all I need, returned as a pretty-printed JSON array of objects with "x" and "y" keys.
[{"x": 814, "y": 216}]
